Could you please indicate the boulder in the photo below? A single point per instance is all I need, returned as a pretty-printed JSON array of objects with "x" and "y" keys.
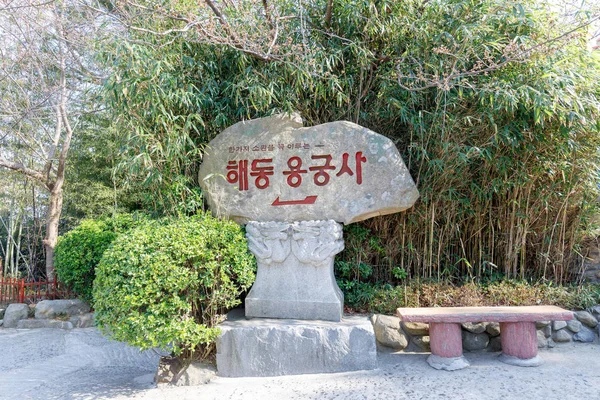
[
  {"x": 14, "y": 313},
  {"x": 547, "y": 331},
  {"x": 542, "y": 324},
  {"x": 541, "y": 340},
  {"x": 422, "y": 342},
  {"x": 586, "y": 318},
  {"x": 43, "y": 323},
  {"x": 585, "y": 335},
  {"x": 495, "y": 344},
  {"x": 493, "y": 329},
  {"x": 171, "y": 371},
  {"x": 475, "y": 341},
  {"x": 574, "y": 325},
  {"x": 558, "y": 325},
  {"x": 388, "y": 332},
  {"x": 561, "y": 336},
  {"x": 416, "y": 328},
  {"x": 274, "y": 169},
  {"x": 48, "y": 309},
  {"x": 473, "y": 327},
  {"x": 83, "y": 320}
]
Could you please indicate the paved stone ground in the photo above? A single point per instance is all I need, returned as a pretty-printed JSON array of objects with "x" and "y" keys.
[{"x": 81, "y": 364}]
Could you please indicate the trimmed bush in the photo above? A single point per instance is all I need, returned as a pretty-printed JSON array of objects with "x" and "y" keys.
[
  {"x": 79, "y": 251},
  {"x": 166, "y": 283}
]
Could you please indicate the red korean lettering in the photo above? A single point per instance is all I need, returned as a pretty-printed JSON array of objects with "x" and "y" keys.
[
  {"x": 321, "y": 178},
  {"x": 345, "y": 168},
  {"x": 294, "y": 179},
  {"x": 359, "y": 160},
  {"x": 238, "y": 173},
  {"x": 261, "y": 173}
]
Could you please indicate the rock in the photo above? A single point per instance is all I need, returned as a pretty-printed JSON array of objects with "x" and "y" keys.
[
  {"x": 574, "y": 325},
  {"x": 388, "y": 333},
  {"x": 272, "y": 347},
  {"x": 542, "y": 324},
  {"x": 171, "y": 371},
  {"x": 547, "y": 331},
  {"x": 586, "y": 318},
  {"x": 83, "y": 320},
  {"x": 596, "y": 311},
  {"x": 495, "y": 344},
  {"x": 558, "y": 325},
  {"x": 2, "y": 313},
  {"x": 493, "y": 329},
  {"x": 51, "y": 308},
  {"x": 422, "y": 342},
  {"x": 14, "y": 313},
  {"x": 273, "y": 169},
  {"x": 561, "y": 336},
  {"x": 585, "y": 335},
  {"x": 416, "y": 328},
  {"x": 541, "y": 340},
  {"x": 43, "y": 323},
  {"x": 295, "y": 276},
  {"x": 1, "y": 322},
  {"x": 474, "y": 341},
  {"x": 551, "y": 343},
  {"x": 478, "y": 327}
]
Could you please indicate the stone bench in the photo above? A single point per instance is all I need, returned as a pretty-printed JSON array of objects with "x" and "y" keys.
[{"x": 517, "y": 331}]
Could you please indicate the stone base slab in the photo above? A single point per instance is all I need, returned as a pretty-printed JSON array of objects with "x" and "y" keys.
[
  {"x": 521, "y": 362},
  {"x": 272, "y": 347},
  {"x": 447, "y": 363}
]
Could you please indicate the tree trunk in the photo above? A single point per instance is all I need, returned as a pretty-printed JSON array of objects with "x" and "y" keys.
[{"x": 54, "y": 211}]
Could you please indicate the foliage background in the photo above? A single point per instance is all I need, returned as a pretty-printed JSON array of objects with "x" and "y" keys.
[{"x": 493, "y": 105}]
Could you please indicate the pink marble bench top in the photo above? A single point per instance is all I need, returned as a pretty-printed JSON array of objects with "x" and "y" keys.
[{"x": 484, "y": 314}]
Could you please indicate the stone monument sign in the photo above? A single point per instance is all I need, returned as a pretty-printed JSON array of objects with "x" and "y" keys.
[{"x": 293, "y": 186}]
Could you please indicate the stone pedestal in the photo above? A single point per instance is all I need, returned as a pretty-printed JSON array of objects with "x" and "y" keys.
[
  {"x": 272, "y": 347},
  {"x": 295, "y": 277},
  {"x": 519, "y": 344},
  {"x": 446, "y": 347}
]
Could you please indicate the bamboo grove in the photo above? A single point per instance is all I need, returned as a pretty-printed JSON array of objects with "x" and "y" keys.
[{"x": 493, "y": 105}]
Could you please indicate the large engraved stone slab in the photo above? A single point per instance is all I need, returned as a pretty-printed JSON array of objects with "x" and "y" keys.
[
  {"x": 295, "y": 270},
  {"x": 273, "y": 169}
]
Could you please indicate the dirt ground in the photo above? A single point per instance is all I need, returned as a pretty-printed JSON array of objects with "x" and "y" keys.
[{"x": 82, "y": 364}]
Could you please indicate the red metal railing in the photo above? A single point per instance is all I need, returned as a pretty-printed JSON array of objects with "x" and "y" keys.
[{"x": 14, "y": 290}]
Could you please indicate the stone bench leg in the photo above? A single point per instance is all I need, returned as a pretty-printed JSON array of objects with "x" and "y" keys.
[
  {"x": 446, "y": 347},
  {"x": 519, "y": 344}
]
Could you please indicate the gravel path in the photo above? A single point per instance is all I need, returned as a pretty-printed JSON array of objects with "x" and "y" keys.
[{"x": 82, "y": 364}]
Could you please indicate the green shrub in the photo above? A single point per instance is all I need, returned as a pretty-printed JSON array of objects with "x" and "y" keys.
[
  {"x": 166, "y": 283},
  {"x": 79, "y": 251},
  {"x": 385, "y": 298}
]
